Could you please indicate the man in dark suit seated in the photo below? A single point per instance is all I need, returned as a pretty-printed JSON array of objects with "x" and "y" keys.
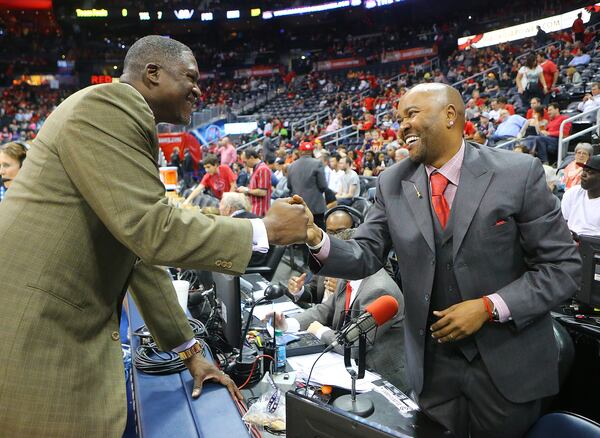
[
  {"x": 348, "y": 300},
  {"x": 319, "y": 287}
]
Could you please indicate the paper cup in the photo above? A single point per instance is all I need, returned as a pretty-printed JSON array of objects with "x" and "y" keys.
[{"x": 182, "y": 288}]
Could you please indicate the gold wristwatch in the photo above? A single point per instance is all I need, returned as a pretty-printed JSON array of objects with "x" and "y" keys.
[{"x": 186, "y": 354}]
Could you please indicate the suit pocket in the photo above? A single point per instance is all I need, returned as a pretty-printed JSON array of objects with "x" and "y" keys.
[
  {"x": 500, "y": 230},
  {"x": 56, "y": 297}
]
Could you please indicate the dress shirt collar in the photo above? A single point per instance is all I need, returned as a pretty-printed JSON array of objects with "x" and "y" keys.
[
  {"x": 237, "y": 212},
  {"x": 451, "y": 169}
]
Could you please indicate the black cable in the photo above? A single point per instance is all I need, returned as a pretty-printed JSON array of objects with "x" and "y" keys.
[
  {"x": 312, "y": 368},
  {"x": 150, "y": 359}
]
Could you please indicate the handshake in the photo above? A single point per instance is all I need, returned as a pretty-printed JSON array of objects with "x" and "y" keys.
[{"x": 290, "y": 221}]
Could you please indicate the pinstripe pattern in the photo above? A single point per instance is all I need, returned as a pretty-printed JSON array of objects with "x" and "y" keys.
[{"x": 261, "y": 179}]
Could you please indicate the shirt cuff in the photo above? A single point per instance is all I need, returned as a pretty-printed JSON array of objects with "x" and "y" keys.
[
  {"x": 322, "y": 331},
  {"x": 298, "y": 294},
  {"x": 260, "y": 239},
  {"x": 500, "y": 305},
  {"x": 185, "y": 346},
  {"x": 293, "y": 325},
  {"x": 322, "y": 248}
]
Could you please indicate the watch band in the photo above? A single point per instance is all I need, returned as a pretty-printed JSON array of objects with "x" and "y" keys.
[{"x": 194, "y": 349}]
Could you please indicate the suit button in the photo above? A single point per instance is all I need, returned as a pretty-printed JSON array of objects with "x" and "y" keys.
[
  {"x": 114, "y": 336},
  {"x": 421, "y": 332},
  {"x": 449, "y": 266},
  {"x": 450, "y": 289},
  {"x": 229, "y": 265},
  {"x": 218, "y": 263},
  {"x": 426, "y": 297},
  {"x": 432, "y": 262}
]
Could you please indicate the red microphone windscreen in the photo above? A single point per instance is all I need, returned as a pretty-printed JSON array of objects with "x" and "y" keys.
[{"x": 383, "y": 309}]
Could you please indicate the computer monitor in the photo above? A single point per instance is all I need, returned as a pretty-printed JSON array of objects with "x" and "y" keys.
[
  {"x": 589, "y": 293},
  {"x": 306, "y": 418},
  {"x": 227, "y": 290}
]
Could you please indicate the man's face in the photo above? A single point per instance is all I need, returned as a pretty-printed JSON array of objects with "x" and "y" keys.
[
  {"x": 595, "y": 90},
  {"x": 338, "y": 222},
  {"x": 552, "y": 111},
  {"x": 423, "y": 119},
  {"x": 590, "y": 179},
  {"x": 178, "y": 90},
  {"x": 333, "y": 163},
  {"x": 210, "y": 169},
  {"x": 494, "y": 105},
  {"x": 534, "y": 102},
  {"x": 249, "y": 162},
  {"x": 342, "y": 164}
]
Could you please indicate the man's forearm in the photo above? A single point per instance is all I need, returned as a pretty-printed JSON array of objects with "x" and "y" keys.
[{"x": 257, "y": 192}]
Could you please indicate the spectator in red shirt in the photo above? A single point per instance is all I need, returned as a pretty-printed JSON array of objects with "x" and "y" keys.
[
  {"x": 218, "y": 179},
  {"x": 535, "y": 102},
  {"x": 578, "y": 28},
  {"x": 547, "y": 143},
  {"x": 550, "y": 72},
  {"x": 259, "y": 189},
  {"x": 503, "y": 104},
  {"x": 469, "y": 130}
]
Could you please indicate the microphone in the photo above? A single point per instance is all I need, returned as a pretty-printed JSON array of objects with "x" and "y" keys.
[{"x": 377, "y": 313}]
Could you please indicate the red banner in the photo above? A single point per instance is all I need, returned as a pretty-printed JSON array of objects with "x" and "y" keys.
[
  {"x": 183, "y": 141},
  {"x": 402, "y": 55},
  {"x": 257, "y": 71},
  {"x": 26, "y": 4},
  {"x": 334, "y": 64}
]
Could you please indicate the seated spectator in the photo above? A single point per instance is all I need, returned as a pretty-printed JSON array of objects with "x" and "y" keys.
[
  {"x": 401, "y": 154},
  {"x": 564, "y": 58},
  {"x": 485, "y": 126},
  {"x": 471, "y": 110},
  {"x": 480, "y": 138},
  {"x": 536, "y": 124},
  {"x": 368, "y": 163},
  {"x": 509, "y": 127},
  {"x": 350, "y": 184},
  {"x": 242, "y": 176},
  {"x": 572, "y": 172},
  {"x": 281, "y": 190},
  {"x": 218, "y": 179},
  {"x": 573, "y": 76},
  {"x": 590, "y": 101},
  {"x": 504, "y": 105},
  {"x": 12, "y": 156},
  {"x": 535, "y": 101},
  {"x": 469, "y": 130},
  {"x": 491, "y": 85},
  {"x": 319, "y": 288},
  {"x": 547, "y": 142},
  {"x": 580, "y": 58},
  {"x": 581, "y": 204}
]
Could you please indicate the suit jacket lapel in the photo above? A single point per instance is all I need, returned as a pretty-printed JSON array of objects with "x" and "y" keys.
[
  {"x": 475, "y": 178},
  {"x": 416, "y": 192}
]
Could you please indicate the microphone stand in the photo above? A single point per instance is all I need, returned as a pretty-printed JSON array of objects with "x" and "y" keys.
[{"x": 360, "y": 405}]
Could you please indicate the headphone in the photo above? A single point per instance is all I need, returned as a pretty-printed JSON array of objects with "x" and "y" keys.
[{"x": 357, "y": 216}]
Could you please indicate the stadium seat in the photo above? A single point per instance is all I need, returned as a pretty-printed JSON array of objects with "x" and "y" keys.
[{"x": 564, "y": 425}]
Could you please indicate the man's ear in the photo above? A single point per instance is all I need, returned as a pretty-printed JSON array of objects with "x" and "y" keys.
[
  {"x": 451, "y": 114},
  {"x": 152, "y": 73}
]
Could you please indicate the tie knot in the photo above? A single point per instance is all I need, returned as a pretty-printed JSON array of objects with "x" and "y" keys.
[{"x": 438, "y": 184}]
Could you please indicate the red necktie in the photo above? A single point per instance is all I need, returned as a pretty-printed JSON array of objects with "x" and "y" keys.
[
  {"x": 348, "y": 296},
  {"x": 438, "y": 185}
]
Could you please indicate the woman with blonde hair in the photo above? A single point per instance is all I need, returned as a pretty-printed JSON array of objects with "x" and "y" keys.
[{"x": 12, "y": 156}]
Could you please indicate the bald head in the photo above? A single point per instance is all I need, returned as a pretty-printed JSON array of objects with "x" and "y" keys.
[
  {"x": 153, "y": 49},
  {"x": 443, "y": 95},
  {"x": 338, "y": 221},
  {"x": 433, "y": 119}
]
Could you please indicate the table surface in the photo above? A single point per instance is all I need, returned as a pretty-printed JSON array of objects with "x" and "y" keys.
[{"x": 164, "y": 404}]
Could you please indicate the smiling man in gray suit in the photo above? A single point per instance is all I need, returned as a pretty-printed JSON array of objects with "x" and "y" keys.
[{"x": 483, "y": 253}]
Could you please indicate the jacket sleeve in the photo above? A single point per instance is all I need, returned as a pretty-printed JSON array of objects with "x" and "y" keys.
[
  {"x": 552, "y": 257},
  {"x": 106, "y": 150},
  {"x": 321, "y": 180},
  {"x": 156, "y": 299}
]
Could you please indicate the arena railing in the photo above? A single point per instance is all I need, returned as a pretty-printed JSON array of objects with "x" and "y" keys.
[
  {"x": 563, "y": 141},
  {"x": 539, "y": 49},
  {"x": 302, "y": 124},
  {"x": 341, "y": 134},
  {"x": 496, "y": 67}
]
